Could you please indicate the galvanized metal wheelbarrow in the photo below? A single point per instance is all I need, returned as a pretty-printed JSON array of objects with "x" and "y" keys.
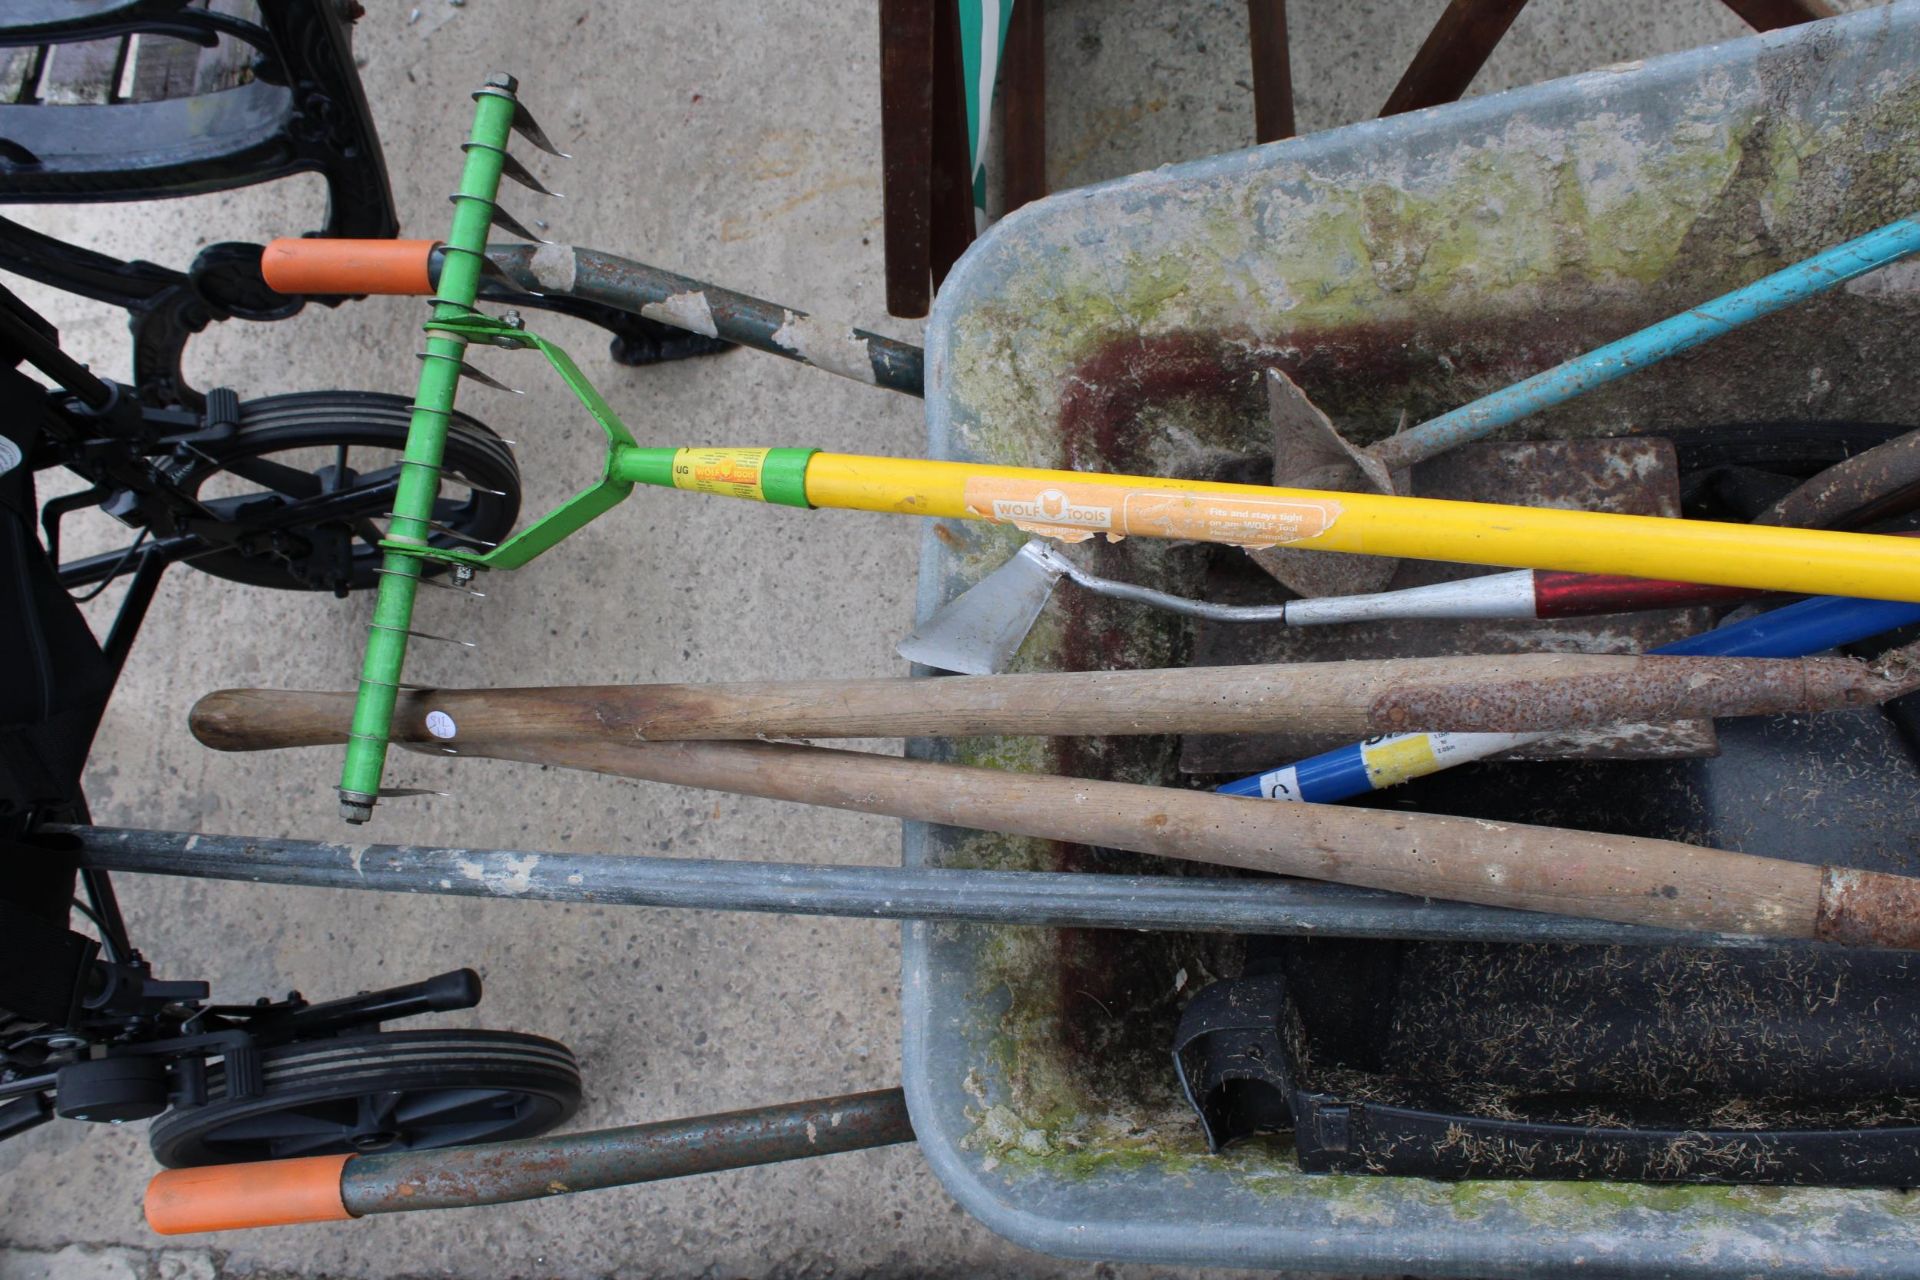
[{"x": 1401, "y": 266}]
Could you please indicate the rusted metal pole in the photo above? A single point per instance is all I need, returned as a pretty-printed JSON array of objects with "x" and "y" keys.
[
  {"x": 906, "y": 151},
  {"x": 700, "y": 307},
  {"x": 1880, "y": 483},
  {"x": 541, "y": 1168},
  {"x": 271, "y": 1193},
  {"x": 1272, "y": 70},
  {"x": 1771, "y": 15},
  {"x": 1453, "y": 54}
]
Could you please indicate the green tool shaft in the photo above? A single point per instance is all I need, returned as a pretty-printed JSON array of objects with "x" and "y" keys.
[{"x": 419, "y": 483}]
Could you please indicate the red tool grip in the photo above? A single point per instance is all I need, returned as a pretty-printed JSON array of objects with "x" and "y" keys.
[
  {"x": 223, "y": 1197},
  {"x": 1579, "y": 595},
  {"x": 349, "y": 266}
]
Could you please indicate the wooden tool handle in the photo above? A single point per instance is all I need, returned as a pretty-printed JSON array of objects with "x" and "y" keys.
[
  {"x": 1604, "y": 877},
  {"x": 1622, "y": 878},
  {"x": 1492, "y": 693},
  {"x": 265, "y": 719}
]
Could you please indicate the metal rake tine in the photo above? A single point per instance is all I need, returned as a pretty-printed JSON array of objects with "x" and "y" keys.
[
  {"x": 461, "y": 480},
  {"x": 422, "y": 635},
  {"x": 491, "y": 270},
  {"x": 452, "y": 532},
  {"x": 510, "y": 167},
  {"x": 436, "y": 302},
  {"x": 487, "y": 380},
  {"x": 505, "y": 221},
  {"x": 483, "y": 378},
  {"x": 508, "y": 223},
  {"x": 527, "y": 127},
  {"x": 449, "y": 530}
]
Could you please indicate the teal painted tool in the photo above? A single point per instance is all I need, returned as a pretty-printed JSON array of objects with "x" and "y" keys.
[{"x": 1688, "y": 329}]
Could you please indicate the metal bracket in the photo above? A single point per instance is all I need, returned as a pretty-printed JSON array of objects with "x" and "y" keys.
[{"x": 576, "y": 512}]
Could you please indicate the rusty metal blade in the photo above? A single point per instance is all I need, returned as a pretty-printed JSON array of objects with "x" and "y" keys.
[{"x": 1310, "y": 453}]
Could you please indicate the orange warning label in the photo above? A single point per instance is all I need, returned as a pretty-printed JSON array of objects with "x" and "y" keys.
[
  {"x": 1073, "y": 512},
  {"x": 733, "y": 472}
]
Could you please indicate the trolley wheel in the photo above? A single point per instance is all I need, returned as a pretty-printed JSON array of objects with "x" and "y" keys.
[
  {"x": 384, "y": 1091},
  {"x": 310, "y": 444}
]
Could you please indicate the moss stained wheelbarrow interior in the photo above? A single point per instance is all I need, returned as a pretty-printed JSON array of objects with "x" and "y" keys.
[{"x": 1399, "y": 267}]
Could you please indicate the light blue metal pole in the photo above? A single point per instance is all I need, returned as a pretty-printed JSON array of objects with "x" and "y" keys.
[{"x": 1653, "y": 344}]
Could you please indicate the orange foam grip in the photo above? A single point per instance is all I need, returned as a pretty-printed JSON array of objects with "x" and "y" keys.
[
  {"x": 225, "y": 1197},
  {"x": 348, "y": 266}
]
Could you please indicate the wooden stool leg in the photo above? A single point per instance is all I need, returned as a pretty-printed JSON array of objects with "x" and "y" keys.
[
  {"x": 952, "y": 184},
  {"x": 906, "y": 151},
  {"x": 1455, "y": 51},
  {"x": 1272, "y": 70},
  {"x": 1023, "y": 103},
  {"x": 1770, "y": 15}
]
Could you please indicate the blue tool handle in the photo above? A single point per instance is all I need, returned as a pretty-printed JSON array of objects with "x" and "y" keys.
[
  {"x": 1332, "y": 775},
  {"x": 1796, "y": 630},
  {"x": 1809, "y": 626}
]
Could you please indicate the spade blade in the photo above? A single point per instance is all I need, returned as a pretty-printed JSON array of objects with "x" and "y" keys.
[{"x": 978, "y": 631}]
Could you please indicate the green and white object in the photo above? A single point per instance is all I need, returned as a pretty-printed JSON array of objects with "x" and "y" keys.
[{"x": 983, "y": 37}]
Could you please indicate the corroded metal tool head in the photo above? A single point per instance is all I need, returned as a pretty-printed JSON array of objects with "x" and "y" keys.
[{"x": 1310, "y": 453}]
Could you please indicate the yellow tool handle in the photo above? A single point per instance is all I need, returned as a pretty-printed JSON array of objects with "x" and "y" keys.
[{"x": 1074, "y": 504}]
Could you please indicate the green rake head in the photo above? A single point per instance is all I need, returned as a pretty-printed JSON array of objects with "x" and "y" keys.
[
  {"x": 498, "y": 114},
  {"x": 777, "y": 474}
]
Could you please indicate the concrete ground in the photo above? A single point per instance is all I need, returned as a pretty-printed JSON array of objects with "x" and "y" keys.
[{"x": 736, "y": 141}]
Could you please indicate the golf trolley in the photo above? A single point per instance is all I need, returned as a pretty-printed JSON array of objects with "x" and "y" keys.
[{"x": 143, "y": 101}]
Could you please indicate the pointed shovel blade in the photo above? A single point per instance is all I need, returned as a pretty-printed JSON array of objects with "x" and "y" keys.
[{"x": 978, "y": 631}]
